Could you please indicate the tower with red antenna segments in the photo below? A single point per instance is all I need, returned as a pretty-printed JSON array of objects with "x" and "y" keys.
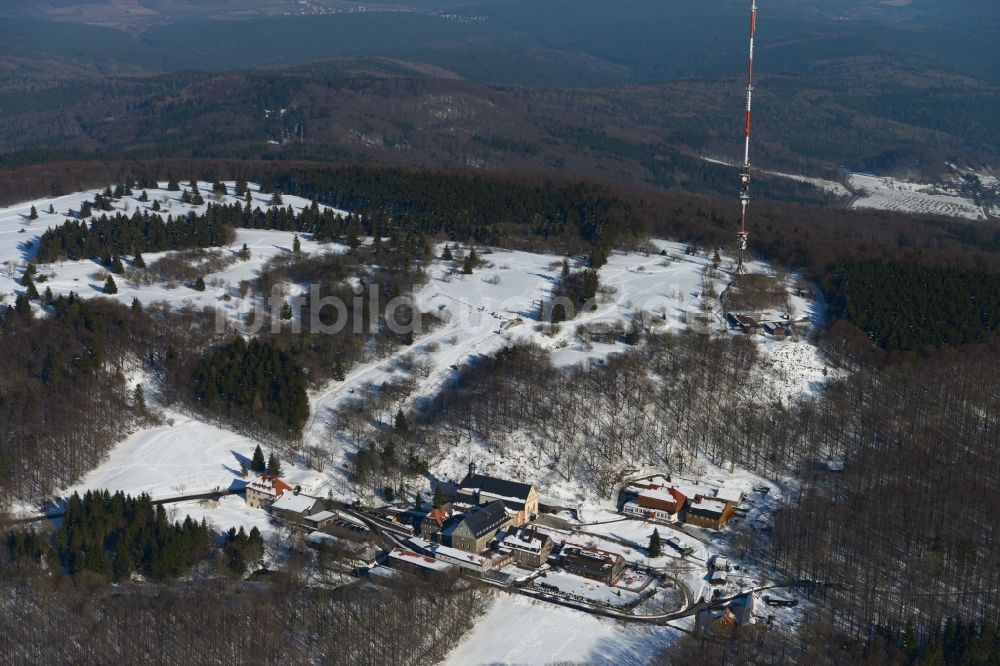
[{"x": 742, "y": 236}]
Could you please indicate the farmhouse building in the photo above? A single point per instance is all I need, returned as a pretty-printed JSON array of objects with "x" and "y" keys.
[
  {"x": 528, "y": 546},
  {"x": 434, "y": 521},
  {"x": 264, "y": 490},
  {"x": 414, "y": 563},
  {"x": 294, "y": 507},
  {"x": 709, "y": 512},
  {"x": 478, "y": 527},
  {"x": 592, "y": 563},
  {"x": 519, "y": 499}
]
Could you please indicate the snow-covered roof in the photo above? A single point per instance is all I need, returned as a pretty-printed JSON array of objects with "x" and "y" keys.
[
  {"x": 321, "y": 516},
  {"x": 294, "y": 503},
  {"x": 731, "y": 495},
  {"x": 533, "y": 543},
  {"x": 410, "y": 557},
  {"x": 708, "y": 505},
  {"x": 460, "y": 555}
]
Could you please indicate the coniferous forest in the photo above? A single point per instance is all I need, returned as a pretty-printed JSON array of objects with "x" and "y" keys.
[
  {"x": 253, "y": 382},
  {"x": 905, "y": 306}
]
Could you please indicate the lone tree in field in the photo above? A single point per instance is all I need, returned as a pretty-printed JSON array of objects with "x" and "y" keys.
[
  {"x": 276, "y": 199},
  {"x": 33, "y": 215},
  {"x": 446, "y": 255},
  {"x": 199, "y": 284},
  {"x": 296, "y": 245},
  {"x": 257, "y": 464},
  {"x": 110, "y": 287},
  {"x": 654, "y": 544}
]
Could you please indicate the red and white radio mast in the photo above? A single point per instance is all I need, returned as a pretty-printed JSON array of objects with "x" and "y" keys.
[{"x": 742, "y": 235}]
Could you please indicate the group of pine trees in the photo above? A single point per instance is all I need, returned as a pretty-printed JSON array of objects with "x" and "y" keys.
[
  {"x": 115, "y": 536},
  {"x": 146, "y": 231},
  {"x": 574, "y": 293}
]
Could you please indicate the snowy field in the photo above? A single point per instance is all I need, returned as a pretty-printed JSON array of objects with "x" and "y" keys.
[
  {"x": 518, "y": 630},
  {"x": 901, "y": 196}
]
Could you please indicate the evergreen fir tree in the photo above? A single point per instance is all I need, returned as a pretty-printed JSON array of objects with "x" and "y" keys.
[
  {"x": 438, "y": 496},
  {"x": 197, "y": 199},
  {"x": 218, "y": 187},
  {"x": 110, "y": 287},
  {"x": 446, "y": 255},
  {"x": 258, "y": 464},
  {"x": 193, "y": 185},
  {"x": 244, "y": 253},
  {"x": 173, "y": 185},
  {"x": 286, "y": 311},
  {"x": 338, "y": 371},
  {"x": 29, "y": 288},
  {"x": 52, "y": 209},
  {"x": 48, "y": 295},
  {"x": 199, "y": 284},
  {"x": 85, "y": 210},
  {"x": 33, "y": 215},
  {"x": 273, "y": 466},
  {"x": 22, "y": 308},
  {"x": 138, "y": 261},
  {"x": 156, "y": 206},
  {"x": 655, "y": 548},
  {"x": 276, "y": 199},
  {"x": 116, "y": 266},
  {"x": 144, "y": 197},
  {"x": 241, "y": 187},
  {"x": 140, "y": 399},
  {"x": 136, "y": 306},
  {"x": 400, "y": 425},
  {"x": 470, "y": 262},
  {"x": 296, "y": 245}
]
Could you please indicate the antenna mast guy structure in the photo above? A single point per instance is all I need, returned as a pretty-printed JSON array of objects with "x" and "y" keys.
[{"x": 742, "y": 235}]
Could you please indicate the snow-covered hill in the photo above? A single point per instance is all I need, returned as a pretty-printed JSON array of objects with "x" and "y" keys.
[{"x": 495, "y": 306}]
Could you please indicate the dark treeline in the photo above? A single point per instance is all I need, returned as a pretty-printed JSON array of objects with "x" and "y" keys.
[
  {"x": 907, "y": 306},
  {"x": 221, "y": 622},
  {"x": 909, "y": 529},
  {"x": 573, "y": 217}
]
